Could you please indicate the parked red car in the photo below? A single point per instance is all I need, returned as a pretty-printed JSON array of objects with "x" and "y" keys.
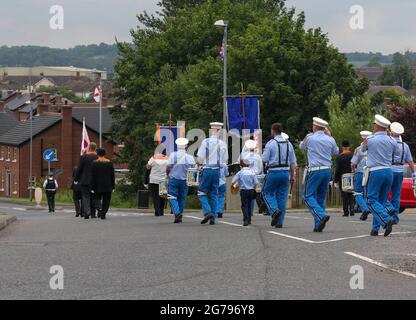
[{"x": 408, "y": 199}]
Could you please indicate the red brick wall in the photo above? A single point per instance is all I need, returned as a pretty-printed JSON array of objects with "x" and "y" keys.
[{"x": 9, "y": 165}]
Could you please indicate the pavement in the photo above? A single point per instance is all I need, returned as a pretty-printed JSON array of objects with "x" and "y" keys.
[{"x": 134, "y": 255}]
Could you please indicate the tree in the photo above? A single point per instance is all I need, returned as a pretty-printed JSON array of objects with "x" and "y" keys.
[
  {"x": 348, "y": 123},
  {"x": 174, "y": 67},
  {"x": 400, "y": 73}
]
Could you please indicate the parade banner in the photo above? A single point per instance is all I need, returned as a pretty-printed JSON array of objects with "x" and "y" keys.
[
  {"x": 243, "y": 113},
  {"x": 167, "y": 136}
]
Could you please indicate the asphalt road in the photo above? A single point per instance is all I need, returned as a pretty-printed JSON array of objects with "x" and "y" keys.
[{"x": 134, "y": 255}]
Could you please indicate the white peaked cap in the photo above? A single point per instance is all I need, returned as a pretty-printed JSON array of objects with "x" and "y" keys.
[
  {"x": 382, "y": 121},
  {"x": 320, "y": 123},
  {"x": 285, "y": 136},
  {"x": 216, "y": 125},
  {"x": 365, "y": 134},
  {"x": 250, "y": 144},
  {"x": 397, "y": 128},
  {"x": 182, "y": 142}
]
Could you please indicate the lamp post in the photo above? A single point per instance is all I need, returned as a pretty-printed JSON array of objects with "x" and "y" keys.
[
  {"x": 224, "y": 24},
  {"x": 31, "y": 152}
]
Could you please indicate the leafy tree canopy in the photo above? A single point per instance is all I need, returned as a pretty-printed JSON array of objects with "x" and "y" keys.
[{"x": 173, "y": 66}]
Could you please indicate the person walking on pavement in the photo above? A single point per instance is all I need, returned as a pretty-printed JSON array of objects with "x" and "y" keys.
[
  {"x": 280, "y": 159},
  {"x": 343, "y": 166},
  {"x": 103, "y": 183},
  {"x": 157, "y": 166},
  {"x": 320, "y": 148},
  {"x": 358, "y": 163},
  {"x": 76, "y": 195},
  {"x": 400, "y": 159},
  {"x": 178, "y": 165},
  {"x": 83, "y": 178},
  {"x": 211, "y": 155},
  {"x": 51, "y": 186},
  {"x": 381, "y": 149}
]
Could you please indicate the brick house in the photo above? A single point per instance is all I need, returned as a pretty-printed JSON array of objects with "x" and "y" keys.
[{"x": 54, "y": 126}]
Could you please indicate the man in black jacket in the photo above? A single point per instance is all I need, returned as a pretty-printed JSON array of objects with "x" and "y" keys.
[
  {"x": 343, "y": 166},
  {"x": 83, "y": 178},
  {"x": 76, "y": 195},
  {"x": 102, "y": 182}
]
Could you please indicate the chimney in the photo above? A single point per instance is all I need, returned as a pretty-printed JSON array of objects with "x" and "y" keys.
[
  {"x": 46, "y": 98},
  {"x": 2, "y": 106},
  {"x": 67, "y": 140},
  {"x": 41, "y": 107},
  {"x": 58, "y": 99}
]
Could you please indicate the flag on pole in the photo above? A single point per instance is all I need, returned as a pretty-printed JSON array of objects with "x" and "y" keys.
[
  {"x": 85, "y": 144},
  {"x": 222, "y": 50},
  {"x": 97, "y": 94}
]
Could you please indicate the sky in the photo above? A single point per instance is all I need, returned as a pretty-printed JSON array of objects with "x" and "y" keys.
[{"x": 388, "y": 25}]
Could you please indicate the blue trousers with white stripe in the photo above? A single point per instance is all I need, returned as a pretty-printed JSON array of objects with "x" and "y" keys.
[
  {"x": 314, "y": 193},
  {"x": 178, "y": 191},
  {"x": 210, "y": 180},
  {"x": 275, "y": 191},
  {"x": 221, "y": 198},
  {"x": 396, "y": 192},
  {"x": 378, "y": 188},
  {"x": 360, "y": 192}
]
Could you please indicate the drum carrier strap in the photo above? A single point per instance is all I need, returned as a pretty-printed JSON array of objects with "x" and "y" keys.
[
  {"x": 218, "y": 153},
  {"x": 401, "y": 163},
  {"x": 281, "y": 165}
]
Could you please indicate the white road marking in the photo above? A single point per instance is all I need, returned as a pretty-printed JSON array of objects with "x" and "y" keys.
[
  {"x": 223, "y": 222},
  {"x": 291, "y": 237},
  {"x": 327, "y": 241},
  {"x": 19, "y": 209},
  {"x": 379, "y": 264}
]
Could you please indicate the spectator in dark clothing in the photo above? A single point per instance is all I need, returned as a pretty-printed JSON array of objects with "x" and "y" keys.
[
  {"x": 102, "y": 183},
  {"x": 83, "y": 178},
  {"x": 51, "y": 186},
  {"x": 343, "y": 166},
  {"x": 76, "y": 194}
]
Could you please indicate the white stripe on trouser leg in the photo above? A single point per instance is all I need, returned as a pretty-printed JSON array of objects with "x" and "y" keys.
[
  {"x": 306, "y": 201},
  {"x": 269, "y": 208}
]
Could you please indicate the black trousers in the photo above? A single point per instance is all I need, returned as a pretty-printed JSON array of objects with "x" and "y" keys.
[
  {"x": 87, "y": 202},
  {"x": 158, "y": 202},
  {"x": 50, "y": 195},
  {"x": 347, "y": 202},
  {"x": 102, "y": 203},
  {"x": 77, "y": 197},
  {"x": 260, "y": 203},
  {"x": 247, "y": 196}
]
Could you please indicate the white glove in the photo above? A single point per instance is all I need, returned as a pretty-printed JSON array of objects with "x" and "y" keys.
[
  {"x": 75, "y": 182},
  {"x": 92, "y": 191},
  {"x": 336, "y": 185}
]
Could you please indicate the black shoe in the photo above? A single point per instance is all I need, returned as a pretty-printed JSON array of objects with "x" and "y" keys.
[
  {"x": 249, "y": 222},
  {"x": 279, "y": 226},
  {"x": 352, "y": 214},
  {"x": 178, "y": 219},
  {"x": 364, "y": 216},
  {"x": 206, "y": 219},
  {"x": 392, "y": 213},
  {"x": 345, "y": 215},
  {"x": 245, "y": 224},
  {"x": 103, "y": 217},
  {"x": 93, "y": 217},
  {"x": 389, "y": 228},
  {"x": 86, "y": 217},
  {"x": 211, "y": 223},
  {"x": 77, "y": 215},
  {"x": 374, "y": 233},
  {"x": 275, "y": 217},
  {"x": 316, "y": 230},
  {"x": 220, "y": 215},
  {"x": 323, "y": 223}
]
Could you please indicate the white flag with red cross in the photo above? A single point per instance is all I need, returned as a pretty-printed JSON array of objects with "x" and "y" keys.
[{"x": 85, "y": 144}]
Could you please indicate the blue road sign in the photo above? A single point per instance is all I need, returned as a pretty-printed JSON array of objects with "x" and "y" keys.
[{"x": 49, "y": 155}]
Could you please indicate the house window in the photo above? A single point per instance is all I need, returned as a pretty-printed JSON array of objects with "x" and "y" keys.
[
  {"x": 2, "y": 178},
  {"x": 8, "y": 154},
  {"x": 14, "y": 154},
  {"x": 2, "y": 153},
  {"x": 14, "y": 185}
]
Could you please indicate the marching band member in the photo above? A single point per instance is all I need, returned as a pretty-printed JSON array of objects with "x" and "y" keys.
[
  {"x": 358, "y": 162},
  {"x": 212, "y": 153},
  {"x": 320, "y": 148},
  {"x": 177, "y": 169},
  {"x": 400, "y": 158},
  {"x": 379, "y": 174},
  {"x": 222, "y": 190},
  {"x": 255, "y": 162},
  {"x": 280, "y": 158},
  {"x": 246, "y": 181}
]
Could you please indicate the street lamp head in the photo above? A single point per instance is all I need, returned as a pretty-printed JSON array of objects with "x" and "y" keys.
[{"x": 221, "y": 23}]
